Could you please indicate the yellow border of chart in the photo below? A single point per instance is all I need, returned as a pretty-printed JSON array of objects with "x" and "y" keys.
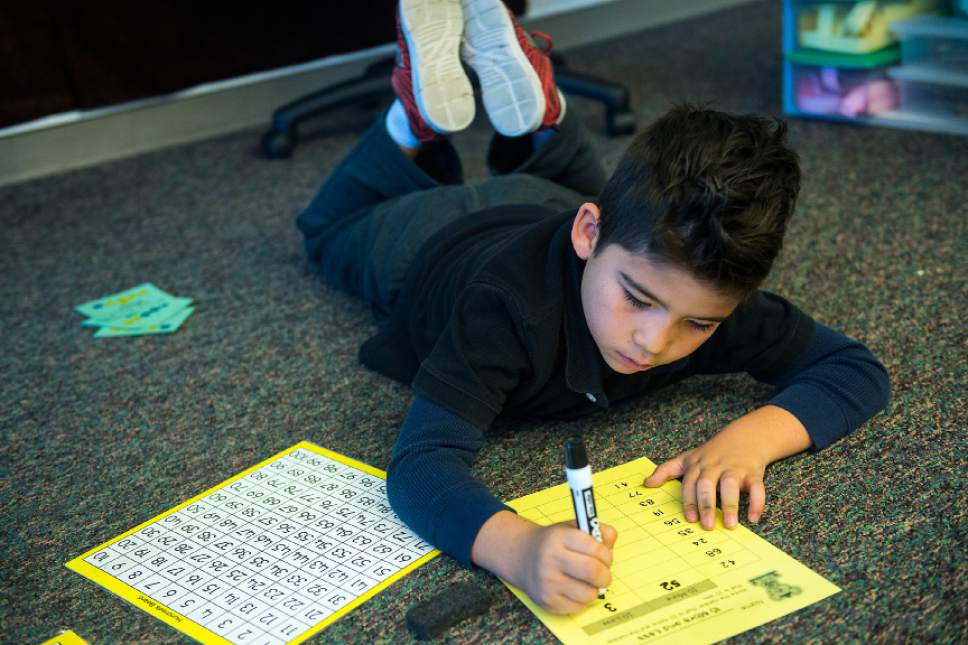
[
  {"x": 188, "y": 626},
  {"x": 66, "y": 638}
]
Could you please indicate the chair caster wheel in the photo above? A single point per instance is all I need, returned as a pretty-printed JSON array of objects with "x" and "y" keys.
[
  {"x": 621, "y": 123},
  {"x": 278, "y": 144}
]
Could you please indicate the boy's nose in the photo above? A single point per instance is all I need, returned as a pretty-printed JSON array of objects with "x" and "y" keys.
[{"x": 653, "y": 341}]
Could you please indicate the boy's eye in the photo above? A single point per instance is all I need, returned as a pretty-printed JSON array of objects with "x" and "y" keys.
[
  {"x": 635, "y": 302},
  {"x": 703, "y": 327}
]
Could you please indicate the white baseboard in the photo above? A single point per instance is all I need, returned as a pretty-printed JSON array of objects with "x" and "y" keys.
[{"x": 76, "y": 139}]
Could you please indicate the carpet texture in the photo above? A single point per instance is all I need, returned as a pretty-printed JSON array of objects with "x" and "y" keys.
[{"x": 100, "y": 435}]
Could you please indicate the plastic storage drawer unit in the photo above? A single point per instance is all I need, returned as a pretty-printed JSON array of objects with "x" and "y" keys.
[
  {"x": 941, "y": 42},
  {"x": 926, "y": 90},
  {"x": 845, "y": 85}
]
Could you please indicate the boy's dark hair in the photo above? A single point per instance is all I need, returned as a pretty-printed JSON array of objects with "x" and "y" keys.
[{"x": 705, "y": 191}]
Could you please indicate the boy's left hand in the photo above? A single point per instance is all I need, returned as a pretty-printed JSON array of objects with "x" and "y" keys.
[
  {"x": 734, "y": 460},
  {"x": 721, "y": 463}
]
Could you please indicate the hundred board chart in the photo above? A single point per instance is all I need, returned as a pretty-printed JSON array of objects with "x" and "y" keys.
[
  {"x": 672, "y": 581},
  {"x": 272, "y": 555}
]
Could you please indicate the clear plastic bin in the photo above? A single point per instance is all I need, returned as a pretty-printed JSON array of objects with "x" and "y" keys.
[
  {"x": 843, "y": 91},
  {"x": 926, "y": 90},
  {"x": 856, "y": 27},
  {"x": 939, "y": 41}
]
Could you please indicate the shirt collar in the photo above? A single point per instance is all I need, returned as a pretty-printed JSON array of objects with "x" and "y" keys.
[{"x": 585, "y": 369}]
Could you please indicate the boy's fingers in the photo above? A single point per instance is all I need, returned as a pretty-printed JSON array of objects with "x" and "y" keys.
[
  {"x": 689, "y": 507},
  {"x": 706, "y": 500},
  {"x": 668, "y": 470},
  {"x": 561, "y": 603},
  {"x": 577, "y": 593},
  {"x": 757, "y": 493},
  {"x": 590, "y": 571},
  {"x": 729, "y": 500},
  {"x": 610, "y": 535},
  {"x": 585, "y": 544}
]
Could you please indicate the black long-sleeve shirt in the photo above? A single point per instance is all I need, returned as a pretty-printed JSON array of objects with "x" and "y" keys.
[{"x": 490, "y": 322}]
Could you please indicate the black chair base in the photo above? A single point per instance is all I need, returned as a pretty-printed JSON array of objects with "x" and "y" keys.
[{"x": 373, "y": 87}]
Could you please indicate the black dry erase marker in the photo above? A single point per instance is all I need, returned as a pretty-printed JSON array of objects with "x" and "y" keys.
[{"x": 579, "y": 475}]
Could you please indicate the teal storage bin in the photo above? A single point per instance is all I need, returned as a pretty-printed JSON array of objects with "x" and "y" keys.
[
  {"x": 938, "y": 41},
  {"x": 932, "y": 91}
]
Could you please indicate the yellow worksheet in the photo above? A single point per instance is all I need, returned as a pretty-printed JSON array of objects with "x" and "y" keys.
[
  {"x": 272, "y": 555},
  {"x": 672, "y": 581}
]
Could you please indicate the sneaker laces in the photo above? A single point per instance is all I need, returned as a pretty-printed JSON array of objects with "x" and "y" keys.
[{"x": 546, "y": 42}]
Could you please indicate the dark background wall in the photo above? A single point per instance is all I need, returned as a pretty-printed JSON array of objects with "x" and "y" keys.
[{"x": 58, "y": 56}]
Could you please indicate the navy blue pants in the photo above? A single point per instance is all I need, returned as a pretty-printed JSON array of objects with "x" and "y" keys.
[{"x": 377, "y": 207}]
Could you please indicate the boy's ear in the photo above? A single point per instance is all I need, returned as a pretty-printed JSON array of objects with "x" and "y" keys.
[{"x": 584, "y": 230}]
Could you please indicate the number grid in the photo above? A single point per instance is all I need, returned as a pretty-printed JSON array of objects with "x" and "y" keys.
[{"x": 270, "y": 556}]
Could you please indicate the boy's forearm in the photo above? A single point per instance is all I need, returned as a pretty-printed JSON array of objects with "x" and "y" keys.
[
  {"x": 429, "y": 482},
  {"x": 774, "y": 432},
  {"x": 835, "y": 387}
]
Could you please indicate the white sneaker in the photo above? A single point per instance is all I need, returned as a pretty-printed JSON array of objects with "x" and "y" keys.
[
  {"x": 516, "y": 77},
  {"x": 432, "y": 32}
]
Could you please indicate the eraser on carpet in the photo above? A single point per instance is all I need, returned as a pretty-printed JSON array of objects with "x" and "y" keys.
[{"x": 453, "y": 605}]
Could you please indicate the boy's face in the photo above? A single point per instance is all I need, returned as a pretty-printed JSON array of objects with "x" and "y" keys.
[{"x": 642, "y": 313}]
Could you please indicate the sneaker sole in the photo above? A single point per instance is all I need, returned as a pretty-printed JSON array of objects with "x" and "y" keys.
[
  {"x": 510, "y": 87},
  {"x": 444, "y": 96}
]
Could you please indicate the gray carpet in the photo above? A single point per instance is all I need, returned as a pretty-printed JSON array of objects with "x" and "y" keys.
[{"x": 100, "y": 435}]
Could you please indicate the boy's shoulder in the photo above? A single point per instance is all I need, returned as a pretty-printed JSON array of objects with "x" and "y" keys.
[
  {"x": 499, "y": 271},
  {"x": 514, "y": 339},
  {"x": 520, "y": 251},
  {"x": 485, "y": 235},
  {"x": 532, "y": 266}
]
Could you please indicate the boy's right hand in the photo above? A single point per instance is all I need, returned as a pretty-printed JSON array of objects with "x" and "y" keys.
[{"x": 558, "y": 566}]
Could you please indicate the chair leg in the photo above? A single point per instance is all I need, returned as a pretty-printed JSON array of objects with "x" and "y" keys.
[
  {"x": 372, "y": 87},
  {"x": 619, "y": 118}
]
